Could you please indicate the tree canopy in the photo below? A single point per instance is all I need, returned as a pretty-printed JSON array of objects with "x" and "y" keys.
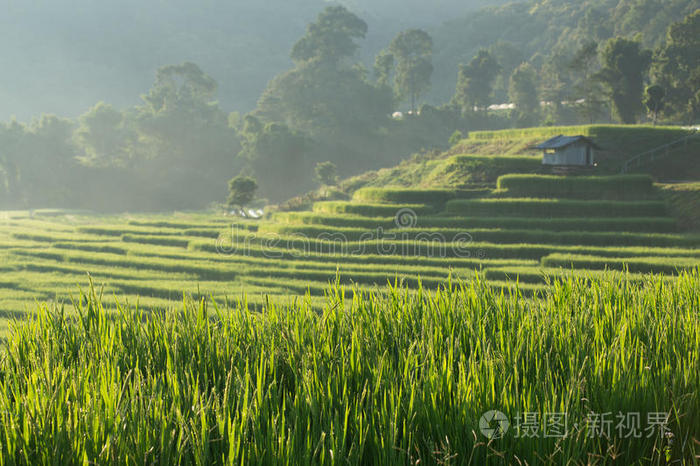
[
  {"x": 412, "y": 50},
  {"x": 625, "y": 63}
]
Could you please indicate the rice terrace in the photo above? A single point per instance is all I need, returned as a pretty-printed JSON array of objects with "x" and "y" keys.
[{"x": 407, "y": 270}]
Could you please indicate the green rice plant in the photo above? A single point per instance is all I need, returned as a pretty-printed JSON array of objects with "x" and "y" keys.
[
  {"x": 605, "y": 133},
  {"x": 54, "y": 237},
  {"x": 203, "y": 232},
  {"x": 368, "y": 210},
  {"x": 155, "y": 239},
  {"x": 666, "y": 265},
  {"x": 92, "y": 247},
  {"x": 544, "y": 275},
  {"x": 404, "y": 196},
  {"x": 531, "y": 133},
  {"x": 119, "y": 230},
  {"x": 386, "y": 377},
  {"x": 92, "y": 262},
  {"x": 487, "y": 235},
  {"x": 632, "y": 224},
  {"x": 477, "y": 170},
  {"x": 555, "y": 208},
  {"x": 289, "y": 250},
  {"x": 623, "y": 187},
  {"x": 294, "y": 246},
  {"x": 180, "y": 225}
]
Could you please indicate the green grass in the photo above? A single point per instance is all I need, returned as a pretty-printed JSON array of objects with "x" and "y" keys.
[{"x": 386, "y": 378}]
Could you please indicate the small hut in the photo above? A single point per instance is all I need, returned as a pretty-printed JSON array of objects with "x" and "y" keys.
[{"x": 569, "y": 151}]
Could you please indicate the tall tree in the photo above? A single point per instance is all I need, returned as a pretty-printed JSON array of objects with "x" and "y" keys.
[
  {"x": 331, "y": 38},
  {"x": 508, "y": 56},
  {"x": 383, "y": 67},
  {"x": 413, "y": 51},
  {"x": 184, "y": 139},
  {"x": 555, "y": 84},
  {"x": 625, "y": 64},
  {"x": 587, "y": 92},
  {"x": 523, "y": 93},
  {"x": 475, "y": 81}
]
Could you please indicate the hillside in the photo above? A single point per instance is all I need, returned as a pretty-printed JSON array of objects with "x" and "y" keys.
[
  {"x": 539, "y": 30},
  {"x": 483, "y": 156}
]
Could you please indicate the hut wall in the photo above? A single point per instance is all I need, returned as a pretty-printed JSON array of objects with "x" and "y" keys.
[{"x": 572, "y": 155}]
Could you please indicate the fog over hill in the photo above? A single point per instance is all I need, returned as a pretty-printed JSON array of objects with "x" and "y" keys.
[{"x": 59, "y": 56}]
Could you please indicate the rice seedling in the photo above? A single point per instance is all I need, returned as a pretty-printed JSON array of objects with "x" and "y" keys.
[{"x": 385, "y": 377}]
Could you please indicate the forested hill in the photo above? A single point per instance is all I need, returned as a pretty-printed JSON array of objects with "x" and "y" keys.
[
  {"x": 542, "y": 30},
  {"x": 62, "y": 56},
  {"x": 110, "y": 50}
]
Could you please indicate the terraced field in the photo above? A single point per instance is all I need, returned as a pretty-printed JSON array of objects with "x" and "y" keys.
[
  {"x": 530, "y": 227},
  {"x": 409, "y": 236}
]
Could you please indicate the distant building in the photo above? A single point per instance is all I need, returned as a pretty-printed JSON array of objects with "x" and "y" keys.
[{"x": 572, "y": 151}]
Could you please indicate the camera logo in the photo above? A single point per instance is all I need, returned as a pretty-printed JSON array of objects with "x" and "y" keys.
[{"x": 494, "y": 424}]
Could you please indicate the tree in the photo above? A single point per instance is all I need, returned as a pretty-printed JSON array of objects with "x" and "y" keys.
[
  {"x": 184, "y": 139},
  {"x": 624, "y": 65},
  {"x": 654, "y": 100},
  {"x": 677, "y": 62},
  {"x": 278, "y": 157},
  {"x": 105, "y": 137},
  {"x": 523, "y": 93},
  {"x": 555, "y": 84},
  {"x": 508, "y": 57},
  {"x": 37, "y": 162},
  {"x": 413, "y": 51},
  {"x": 587, "y": 90},
  {"x": 383, "y": 68},
  {"x": 475, "y": 80},
  {"x": 180, "y": 86},
  {"x": 326, "y": 173},
  {"x": 241, "y": 191},
  {"x": 331, "y": 38}
]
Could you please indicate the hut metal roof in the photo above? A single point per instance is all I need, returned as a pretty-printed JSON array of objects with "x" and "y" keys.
[{"x": 561, "y": 141}]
